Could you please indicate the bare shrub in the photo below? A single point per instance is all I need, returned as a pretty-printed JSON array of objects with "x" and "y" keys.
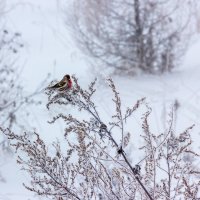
[
  {"x": 92, "y": 163},
  {"x": 14, "y": 101},
  {"x": 10, "y": 88},
  {"x": 130, "y": 36}
]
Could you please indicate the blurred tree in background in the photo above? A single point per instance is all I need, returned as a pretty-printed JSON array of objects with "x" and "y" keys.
[
  {"x": 10, "y": 87},
  {"x": 132, "y": 36},
  {"x": 15, "y": 101}
]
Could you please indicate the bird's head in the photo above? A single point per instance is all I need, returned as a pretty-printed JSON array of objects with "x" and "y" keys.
[{"x": 67, "y": 77}]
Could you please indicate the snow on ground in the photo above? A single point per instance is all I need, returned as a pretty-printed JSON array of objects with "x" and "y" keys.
[{"x": 48, "y": 48}]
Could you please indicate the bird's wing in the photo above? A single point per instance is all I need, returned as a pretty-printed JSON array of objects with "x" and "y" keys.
[
  {"x": 63, "y": 86},
  {"x": 59, "y": 84},
  {"x": 62, "y": 83}
]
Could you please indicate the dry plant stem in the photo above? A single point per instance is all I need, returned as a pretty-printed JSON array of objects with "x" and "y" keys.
[
  {"x": 177, "y": 185},
  {"x": 169, "y": 175},
  {"x": 151, "y": 146},
  {"x": 163, "y": 141},
  {"x": 122, "y": 153},
  {"x": 117, "y": 101},
  {"x": 136, "y": 177},
  {"x": 67, "y": 189}
]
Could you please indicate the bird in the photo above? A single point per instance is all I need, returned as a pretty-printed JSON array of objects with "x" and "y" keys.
[{"x": 64, "y": 84}]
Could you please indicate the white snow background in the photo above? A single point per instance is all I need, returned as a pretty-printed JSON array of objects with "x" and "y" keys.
[{"x": 49, "y": 49}]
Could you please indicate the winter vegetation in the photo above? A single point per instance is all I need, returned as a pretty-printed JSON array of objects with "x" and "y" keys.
[
  {"x": 10, "y": 88},
  {"x": 94, "y": 163},
  {"x": 132, "y": 36},
  {"x": 15, "y": 102},
  {"x": 103, "y": 148}
]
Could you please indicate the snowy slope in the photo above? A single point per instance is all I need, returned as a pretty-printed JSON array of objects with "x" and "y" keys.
[{"x": 50, "y": 49}]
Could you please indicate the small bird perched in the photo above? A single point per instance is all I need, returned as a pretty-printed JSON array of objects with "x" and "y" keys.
[{"x": 65, "y": 83}]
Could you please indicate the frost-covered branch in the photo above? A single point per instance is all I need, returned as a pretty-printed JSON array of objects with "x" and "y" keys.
[{"x": 94, "y": 163}]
